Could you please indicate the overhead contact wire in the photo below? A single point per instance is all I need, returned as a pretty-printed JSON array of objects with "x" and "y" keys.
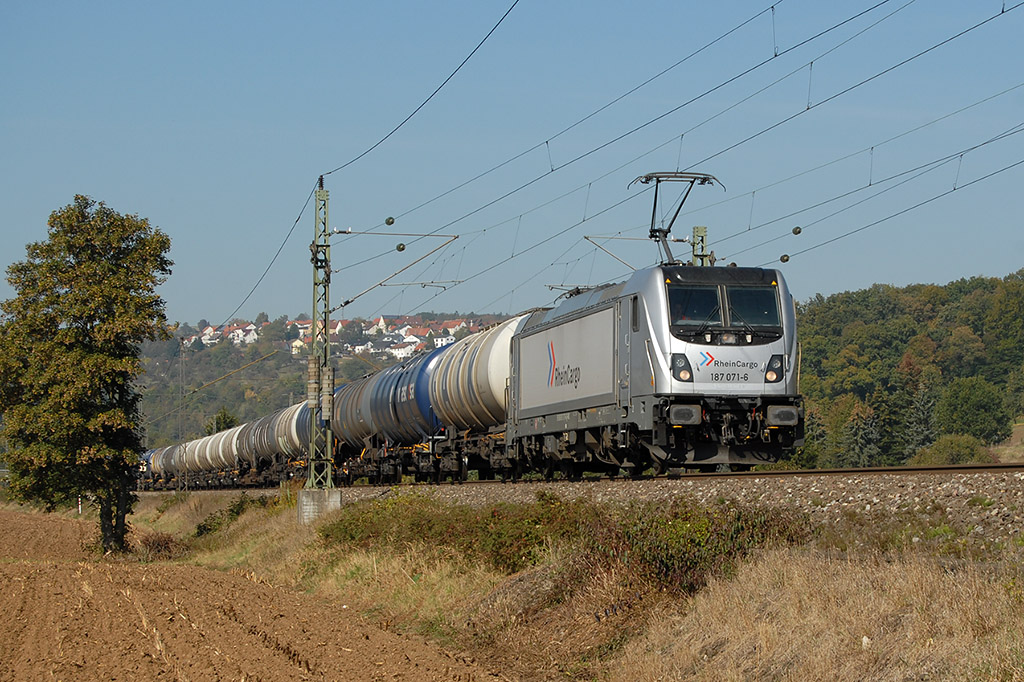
[
  {"x": 855, "y": 86},
  {"x": 367, "y": 151},
  {"x": 924, "y": 168},
  {"x": 642, "y": 126},
  {"x": 593, "y": 113},
  {"x": 424, "y": 103},
  {"x": 845, "y": 158},
  {"x": 905, "y": 210}
]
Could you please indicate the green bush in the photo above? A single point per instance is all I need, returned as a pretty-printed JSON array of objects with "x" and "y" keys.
[
  {"x": 171, "y": 500},
  {"x": 952, "y": 449}
]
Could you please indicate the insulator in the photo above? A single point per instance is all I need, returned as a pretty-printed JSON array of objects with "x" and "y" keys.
[
  {"x": 327, "y": 392},
  {"x": 312, "y": 381}
]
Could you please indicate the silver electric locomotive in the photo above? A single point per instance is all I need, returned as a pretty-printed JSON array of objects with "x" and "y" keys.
[{"x": 679, "y": 366}]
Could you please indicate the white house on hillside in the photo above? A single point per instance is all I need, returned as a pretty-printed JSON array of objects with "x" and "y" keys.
[
  {"x": 242, "y": 334},
  {"x": 401, "y": 351}
]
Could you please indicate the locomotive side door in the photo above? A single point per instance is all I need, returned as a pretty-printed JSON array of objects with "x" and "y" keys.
[{"x": 622, "y": 350}]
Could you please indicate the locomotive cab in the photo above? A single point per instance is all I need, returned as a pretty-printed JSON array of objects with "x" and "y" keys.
[{"x": 728, "y": 340}]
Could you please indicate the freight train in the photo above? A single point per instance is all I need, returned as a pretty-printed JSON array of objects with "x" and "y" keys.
[{"x": 678, "y": 367}]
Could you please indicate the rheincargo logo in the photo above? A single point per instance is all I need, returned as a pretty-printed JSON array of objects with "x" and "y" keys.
[
  {"x": 737, "y": 364},
  {"x": 561, "y": 376}
]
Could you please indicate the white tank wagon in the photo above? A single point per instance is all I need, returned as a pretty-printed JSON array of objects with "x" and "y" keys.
[
  {"x": 467, "y": 389},
  {"x": 254, "y": 453}
]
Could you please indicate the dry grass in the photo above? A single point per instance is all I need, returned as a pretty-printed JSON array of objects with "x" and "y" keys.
[
  {"x": 419, "y": 589},
  {"x": 794, "y": 616},
  {"x": 528, "y": 631},
  {"x": 788, "y": 614},
  {"x": 178, "y": 513},
  {"x": 1011, "y": 450}
]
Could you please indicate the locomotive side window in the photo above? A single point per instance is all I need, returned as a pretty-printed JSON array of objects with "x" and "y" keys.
[
  {"x": 694, "y": 305},
  {"x": 753, "y": 306},
  {"x": 635, "y": 313}
]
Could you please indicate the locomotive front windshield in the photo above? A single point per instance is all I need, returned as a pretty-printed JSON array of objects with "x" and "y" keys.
[
  {"x": 694, "y": 306},
  {"x": 753, "y": 306}
]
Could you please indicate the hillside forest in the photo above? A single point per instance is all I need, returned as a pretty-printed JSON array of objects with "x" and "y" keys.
[{"x": 890, "y": 375}]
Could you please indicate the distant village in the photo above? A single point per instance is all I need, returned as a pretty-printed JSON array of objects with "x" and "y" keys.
[{"x": 399, "y": 336}]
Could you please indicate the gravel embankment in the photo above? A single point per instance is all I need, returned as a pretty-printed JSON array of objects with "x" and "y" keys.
[{"x": 989, "y": 506}]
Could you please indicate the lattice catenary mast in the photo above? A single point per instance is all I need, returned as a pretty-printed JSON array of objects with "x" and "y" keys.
[{"x": 320, "y": 379}]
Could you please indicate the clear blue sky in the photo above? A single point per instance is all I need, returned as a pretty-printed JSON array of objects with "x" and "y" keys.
[{"x": 214, "y": 120}]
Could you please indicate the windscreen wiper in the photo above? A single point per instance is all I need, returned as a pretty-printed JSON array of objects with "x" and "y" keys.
[{"x": 707, "y": 321}]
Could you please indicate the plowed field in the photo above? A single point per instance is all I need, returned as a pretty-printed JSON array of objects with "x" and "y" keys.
[{"x": 65, "y": 615}]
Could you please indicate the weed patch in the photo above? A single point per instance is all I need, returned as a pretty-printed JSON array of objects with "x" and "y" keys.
[
  {"x": 170, "y": 501},
  {"x": 222, "y": 518},
  {"x": 159, "y": 546},
  {"x": 925, "y": 528}
]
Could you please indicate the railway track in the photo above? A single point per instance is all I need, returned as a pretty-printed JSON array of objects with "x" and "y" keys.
[
  {"x": 949, "y": 469},
  {"x": 983, "y": 503}
]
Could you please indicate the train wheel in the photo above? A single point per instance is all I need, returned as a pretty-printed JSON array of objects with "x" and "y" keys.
[
  {"x": 571, "y": 471},
  {"x": 549, "y": 469}
]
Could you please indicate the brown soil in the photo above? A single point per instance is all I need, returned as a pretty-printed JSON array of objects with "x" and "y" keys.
[{"x": 68, "y": 616}]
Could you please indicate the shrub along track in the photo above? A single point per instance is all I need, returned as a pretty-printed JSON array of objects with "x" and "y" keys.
[
  {"x": 68, "y": 616},
  {"x": 983, "y": 501}
]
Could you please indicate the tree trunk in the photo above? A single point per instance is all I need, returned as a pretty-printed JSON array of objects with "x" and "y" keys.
[
  {"x": 106, "y": 521},
  {"x": 120, "y": 522},
  {"x": 114, "y": 506}
]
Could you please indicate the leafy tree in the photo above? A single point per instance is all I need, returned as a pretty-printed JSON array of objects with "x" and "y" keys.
[
  {"x": 974, "y": 407},
  {"x": 1004, "y": 331},
  {"x": 811, "y": 454},
  {"x": 352, "y": 332},
  {"x": 261, "y": 318},
  {"x": 276, "y": 331},
  {"x": 69, "y": 358},
  {"x": 186, "y": 330},
  {"x": 222, "y": 421}
]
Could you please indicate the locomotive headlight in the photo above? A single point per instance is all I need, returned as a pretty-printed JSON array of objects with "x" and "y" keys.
[
  {"x": 728, "y": 338},
  {"x": 775, "y": 370},
  {"x": 681, "y": 368}
]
